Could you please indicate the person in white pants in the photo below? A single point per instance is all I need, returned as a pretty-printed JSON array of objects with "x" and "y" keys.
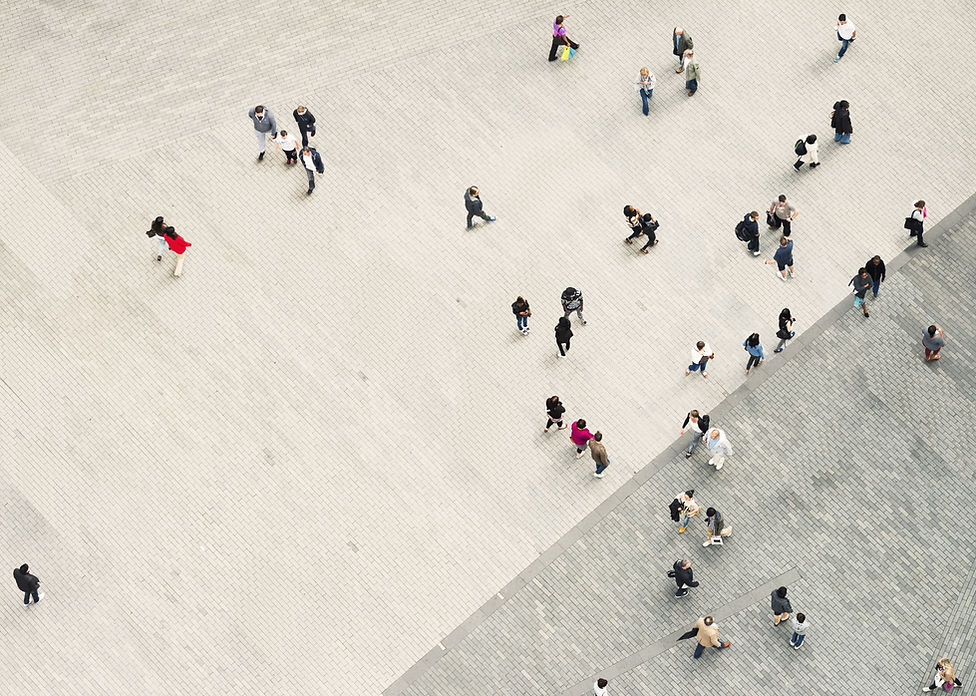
[{"x": 719, "y": 446}]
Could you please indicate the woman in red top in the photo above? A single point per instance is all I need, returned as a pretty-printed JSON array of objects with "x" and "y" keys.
[{"x": 178, "y": 246}]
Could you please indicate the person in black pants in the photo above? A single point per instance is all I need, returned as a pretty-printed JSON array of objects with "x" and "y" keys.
[
  {"x": 27, "y": 584},
  {"x": 559, "y": 37},
  {"x": 306, "y": 123},
  {"x": 649, "y": 225},
  {"x": 876, "y": 269},
  {"x": 633, "y": 216},
  {"x": 751, "y": 221},
  {"x": 555, "y": 411},
  {"x": 564, "y": 332},
  {"x": 683, "y": 577}
]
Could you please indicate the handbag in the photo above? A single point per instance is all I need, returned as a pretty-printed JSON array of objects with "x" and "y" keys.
[
  {"x": 769, "y": 220},
  {"x": 567, "y": 53},
  {"x": 782, "y": 333}
]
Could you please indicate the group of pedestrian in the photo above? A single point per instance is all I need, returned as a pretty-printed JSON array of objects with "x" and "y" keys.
[
  {"x": 265, "y": 123},
  {"x": 579, "y": 435},
  {"x": 641, "y": 225},
  {"x": 167, "y": 238}
]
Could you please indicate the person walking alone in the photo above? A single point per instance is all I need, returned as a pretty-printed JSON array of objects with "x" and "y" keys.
[
  {"x": 755, "y": 350},
  {"x": 800, "y": 627},
  {"x": 719, "y": 446},
  {"x": 178, "y": 246},
  {"x": 876, "y": 269},
  {"x": 572, "y": 301},
  {"x": 785, "y": 331},
  {"x": 264, "y": 123},
  {"x": 580, "y": 436},
  {"x": 708, "y": 636},
  {"x": 27, "y": 584},
  {"x": 692, "y": 72},
  {"x": 846, "y": 33},
  {"x": 862, "y": 283},
  {"x": 933, "y": 340},
  {"x": 840, "y": 121},
  {"x": 645, "y": 85},
  {"x": 564, "y": 332},
  {"x": 780, "y": 605},
  {"x": 699, "y": 358},
  {"x": 554, "y": 411},
  {"x": 808, "y": 151},
  {"x": 916, "y": 223},
  {"x": 313, "y": 166},
  {"x": 681, "y": 41},
  {"x": 684, "y": 577},
  {"x": 781, "y": 214},
  {"x": 716, "y": 525},
  {"x": 783, "y": 258},
  {"x": 683, "y": 508},
  {"x": 945, "y": 676},
  {"x": 520, "y": 308},
  {"x": 599, "y": 454},
  {"x": 699, "y": 426},
  {"x": 472, "y": 202},
  {"x": 559, "y": 37},
  {"x": 306, "y": 123}
]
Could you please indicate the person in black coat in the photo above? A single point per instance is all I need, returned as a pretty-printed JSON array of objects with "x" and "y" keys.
[
  {"x": 555, "y": 411},
  {"x": 683, "y": 576},
  {"x": 876, "y": 269},
  {"x": 780, "y": 605},
  {"x": 474, "y": 206},
  {"x": 564, "y": 332},
  {"x": 840, "y": 121},
  {"x": 306, "y": 123},
  {"x": 751, "y": 231},
  {"x": 27, "y": 584}
]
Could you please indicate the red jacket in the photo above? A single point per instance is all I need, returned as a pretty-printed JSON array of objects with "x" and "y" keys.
[{"x": 178, "y": 245}]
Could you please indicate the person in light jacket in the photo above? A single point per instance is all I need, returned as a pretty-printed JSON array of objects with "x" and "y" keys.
[
  {"x": 692, "y": 72},
  {"x": 933, "y": 340},
  {"x": 719, "y": 446},
  {"x": 840, "y": 121},
  {"x": 681, "y": 41},
  {"x": 599, "y": 454},
  {"x": 780, "y": 605},
  {"x": 800, "y": 626},
  {"x": 945, "y": 673},
  {"x": 708, "y": 636},
  {"x": 812, "y": 154},
  {"x": 755, "y": 350},
  {"x": 264, "y": 123},
  {"x": 645, "y": 85},
  {"x": 684, "y": 508}
]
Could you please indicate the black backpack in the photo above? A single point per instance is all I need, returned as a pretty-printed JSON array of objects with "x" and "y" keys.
[
  {"x": 800, "y": 148},
  {"x": 740, "y": 231}
]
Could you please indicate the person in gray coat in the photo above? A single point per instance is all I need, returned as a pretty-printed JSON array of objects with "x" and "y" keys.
[
  {"x": 781, "y": 605},
  {"x": 264, "y": 123},
  {"x": 681, "y": 42},
  {"x": 472, "y": 202}
]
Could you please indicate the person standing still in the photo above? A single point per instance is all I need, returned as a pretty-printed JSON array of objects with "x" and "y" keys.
[
  {"x": 933, "y": 340},
  {"x": 599, "y": 454},
  {"x": 683, "y": 508},
  {"x": 472, "y": 203},
  {"x": 800, "y": 626},
  {"x": 156, "y": 229},
  {"x": 27, "y": 584},
  {"x": 785, "y": 331},
  {"x": 876, "y": 269},
  {"x": 862, "y": 283},
  {"x": 750, "y": 230},
  {"x": 755, "y": 350},
  {"x": 681, "y": 41},
  {"x": 808, "y": 151},
  {"x": 692, "y": 72},
  {"x": 699, "y": 358},
  {"x": 719, "y": 446},
  {"x": 781, "y": 214},
  {"x": 306, "y": 123},
  {"x": 699, "y": 426},
  {"x": 945, "y": 674},
  {"x": 783, "y": 258},
  {"x": 520, "y": 308},
  {"x": 264, "y": 123},
  {"x": 554, "y": 412},
  {"x": 564, "y": 332},
  {"x": 781, "y": 605},
  {"x": 684, "y": 577},
  {"x": 559, "y": 37},
  {"x": 840, "y": 121},
  {"x": 916, "y": 223},
  {"x": 572, "y": 301},
  {"x": 716, "y": 525},
  {"x": 708, "y": 636},
  {"x": 580, "y": 436},
  {"x": 645, "y": 85},
  {"x": 846, "y": 33},
  {"x": 178, "y": 246}
]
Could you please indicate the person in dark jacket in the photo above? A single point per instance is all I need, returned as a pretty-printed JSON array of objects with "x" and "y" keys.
[
  {"x": 698, "y": 425},
  {"x": 785, "y": 331},
  {"x": 312, "y": 161},
  {"x": 306, "y": 123},
  {"x": 472, "y": 202},
  {"x": 781, "y": 605},
  {"x": 840, "y": 121},
  {"x": 715, "y": 523},
  {"x": 680, "y": 42},
  {"x": 27, "y": 584},
  {"x": 751, "y": 229},
  {"x": 555, "y": 411},
  {"x": 633, "y": 216},
  {"x": 783, "y": 258},
  {"x": 876, "y": 269},
  {"x": 649, "y": 226},
  {"x": 520, "y": 308},
  {"x": 862, "y": 283},
  {"x": 683, "y": 577},
  {"x": 157, "y": 229},
  {"x": 564, "y": 332}
]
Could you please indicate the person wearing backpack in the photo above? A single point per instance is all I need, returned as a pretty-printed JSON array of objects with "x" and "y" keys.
[
  {"x": 807, "y": 150},
  {"x": 684, "y": 507},
  {"x": 748, "y": 231}
]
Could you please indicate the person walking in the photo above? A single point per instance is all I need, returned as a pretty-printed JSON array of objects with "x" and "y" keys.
[
  {"x": 808, "y": 151},
  {"x": 780, "y": 605},
  {"x": 306, "y": 123},
  {"x": 264, "y": 123},
  {"x": 645, "y": 85},
  {"x": 781, "y": 214},
  {"x": 156, "y": 229},
  {"x": 783, "y": 258},
  {"x": 862, "y": 283},
  {"x": 716, "y": 525},
  {"x": 649, "y": 225},
  {"x": 846, "y": 33},
  {"x": 289, "y": 145},
  {"x": 554, "y": 411},
  {"x": 748, "y": 231},
  {"x": 692, "y": 72},
  {"x": 708, "y": 636},
  {"x": 580, "y": 436},
  {"x": 755, "y": 350},
  {"x": 572, "y": 300},
  {"x": 699, "y": 358},
  {"x": 600, "y": 687},
  {"x": 683, "y": 508},
  {"x": 916, "y": 223},
  {"x": 719, "y": 446},
  {"x": 599, "y": 454},
  {"x": 945, "y": 676},
  {"x": 472, "y": 202},
  {"x": 27, "y": 584},
  {"x": 876, "y": 269},
  {"x": 684, "y": 577},
  {"x": 800, "y": 627},
  {"x": 933, "y": 340},
  {"x": 633, "y": 216},
  {"x": 681, "y": 41},
  {"x": 520, "y": 308},
  {"x": 564, "y": 332},
  {"x": 178, "y": 246},
  {"x": 313, "y": 166},
  {"x": 698, "y": 425},
  {"x": 559, "y": 37},
  {"x": 785, "y": 331},
  {"x": 840, "y": 121}
]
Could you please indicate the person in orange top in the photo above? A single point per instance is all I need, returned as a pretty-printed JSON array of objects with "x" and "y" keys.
[{"x": 178, "y": 246}]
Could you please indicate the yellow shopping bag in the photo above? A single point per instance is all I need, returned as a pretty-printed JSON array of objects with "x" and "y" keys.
[{"x": 567, "y": 52}]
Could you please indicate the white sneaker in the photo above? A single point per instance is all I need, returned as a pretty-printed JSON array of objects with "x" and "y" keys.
[
  {"x": 40, "y": 596},
  {"x": 792, "y": 274},
  {"x": 707, "y": 543},
  {"x": 718, "y": 466},
  {"x": 755, "y": 253},
  {"x": 595, "y": 475},
  {"x": 526, "y": 329},
  {"x": 583, "y": 322},
  {"x": 782, "y": 276},
  {"x": 560, "y": 355},
  {"x": 579, "y": 454},
  {"x": 711, "y": 462}
]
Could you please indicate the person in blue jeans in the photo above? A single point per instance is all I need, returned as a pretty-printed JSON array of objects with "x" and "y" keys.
[
  {"x": 708, "y": 636},
  {"x": 645, "y": 85},
  {"x": 27, "y": 584},
  {"x": 799, "y": 630},
  {"x": 846, "y": 33},
  {"x": 876, "y": 269},
  {"x": 840, "y": 121},
  {"x": 755, "y": 350},
  {"x": 520, "y": 308}
]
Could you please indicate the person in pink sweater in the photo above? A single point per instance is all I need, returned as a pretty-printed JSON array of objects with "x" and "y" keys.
[{"x": 580, "y": 436}]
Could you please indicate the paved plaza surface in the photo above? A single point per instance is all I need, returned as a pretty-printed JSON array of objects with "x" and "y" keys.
[{"x": 316, "y": 454}]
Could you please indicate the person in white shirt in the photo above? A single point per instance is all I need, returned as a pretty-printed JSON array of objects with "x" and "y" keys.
[
  {"x": 812, "y": 154},
  {"x": 645, "y": 85},
  {"x": 308, "y": 159},
  {"x": 289, "y": 145},
  {"x": 719, "y": 446},
  {"x": 699, "y": 358},
  {"x": 846, "y": 33},
  {"x": 600, "y": 687}
]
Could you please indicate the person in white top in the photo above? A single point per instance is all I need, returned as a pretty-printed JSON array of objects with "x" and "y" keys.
[
  {"x": 699, "y": 358},
  {"x": 289, "y": 145},
  {"x": 846, "y": 33},
  {"x": 719, "y": 446},
  {"x": 645, "y": 85},
  {"x": 600, "y": 687},
  {"x": 812, "y": 154}
]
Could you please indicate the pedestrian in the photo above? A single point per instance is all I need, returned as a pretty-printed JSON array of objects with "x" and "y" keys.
[
  {"x": 876, "y": 269},
  {"x": 708, "y": 636},
  {"x": 755, "y": 350},
  {"x": 520, "y": 308},
  {"x": 472, "y": 202},
  {"x": 717, "y": 527},
  {"x": 719, "y": 446},
  {"x": 780, "y": 605},
  {"x": 681, "y": 41},
  {"x": 289, "y": 145},
  {"x": 572, "y": 300},
  {"x": 945, "y": 676},
  {"x": 699, "y": 426},
  {"x": 599, "y": 454},
  {"x": 645, "y": 85},
  {"x": 554, "y": 411},
  {"x": 156, "y": 229},
  {"x": 800, "y": 626},
  {"x": 600, "y": 687},
  {"x": 692, "y": 72},
  {"x": 564, "y": 332},
  {"x": 559, "y": 38},
  {"x": 916, "y": 222},
  {"x": 313, "y": 166},
  {"x": 684, "y": 577},
  {"x": 649, "y": 225},
  {"x": 782, "y": 214},
  {"x": 846, "y": 33},
  {"x": 933, "y": 340},
  {"x": 580, "y": 436},
  {"x": 747, "y": 230},
  {"x": 683, "y": 508},
  {"x": 178, "y": 246},
  {"x": 699, "y": 358},
  {"x": 862, "y": 283},
  {"x": 808, "y": 151},
  {"x": 783, "y": 258},
  {"x": 27, "y": 584},
  {"x": 840, "y": 121},
  {"x": 264, "y": 123},
  {"x": 633, "y": 216},
  {"x": 785, "y": 332},
  {"x": 306, "y": 123}
]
